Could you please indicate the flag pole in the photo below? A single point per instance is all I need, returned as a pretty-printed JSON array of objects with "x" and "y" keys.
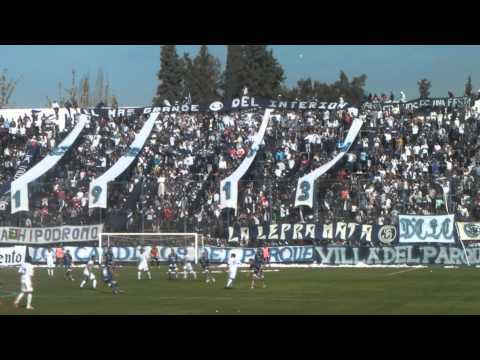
[{"x": 446, "y": 189}]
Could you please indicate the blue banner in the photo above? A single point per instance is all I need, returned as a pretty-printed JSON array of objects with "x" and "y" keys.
[
  {"x": 299, "y": 233},
  {"x": 32, "y": 153}
]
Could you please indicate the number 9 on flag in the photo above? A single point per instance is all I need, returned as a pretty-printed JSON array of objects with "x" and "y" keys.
[{"x": 96, "y": 192}]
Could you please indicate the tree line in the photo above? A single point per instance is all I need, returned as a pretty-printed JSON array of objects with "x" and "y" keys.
[
  {"x": 253, "y": 67},
  {"x": 201, "y": 80}
]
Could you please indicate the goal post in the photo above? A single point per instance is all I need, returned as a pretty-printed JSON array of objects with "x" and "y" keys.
[{"x": 168, "y": 240}]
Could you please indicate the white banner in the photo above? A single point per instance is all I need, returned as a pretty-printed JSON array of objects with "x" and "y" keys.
[
  {"x": 305, "y": 185},
  {"x": 98, "y": 187},
  {"x": 426, "y": 229},
  {"x": 50, "y": 235},
  {"x": 217, "y": 255},
  {"x": 49, "y": 113},
  {"x": 468, "y": 231},
  {"x": 120, "y": 253},
  {"x": 12, "y": 255},
  {"x": 19, "y": 189},
  {"x": 229, "y": 185},
  {"x": 477, "y": 106}
]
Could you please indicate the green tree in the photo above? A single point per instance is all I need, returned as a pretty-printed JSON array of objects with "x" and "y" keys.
[
  {"x": 305, "y": 88},
  {"x": 468, "y": 86},
  {"x": 357, "y": 93},
  {"x": 262, "y": 73},
  {"x": 188, "y": 75},
  {"x": 114, "y": 102},
  {"x": 352, "y": 91},
  {"x": 424, "y": 86},
  {"x": 232, "y": 79},
  {"x": 342, "y": 86},
  {"x": 204, "y": 76},
  {"x": 170, "y": 76}
]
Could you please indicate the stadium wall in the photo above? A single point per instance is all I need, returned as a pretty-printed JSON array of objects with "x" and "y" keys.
[{"x": 326, "y": 255}]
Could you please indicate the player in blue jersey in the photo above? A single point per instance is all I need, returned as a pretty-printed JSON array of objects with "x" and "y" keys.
[
  {"x": 256, "y": 265},
  {"x": 172, "y": 265},
  {"x": 205, "y": 264},
  {"x": 108, "y": 257},
  {"x": 107, "y": 275},
  {"x": 68, "y": 263}
]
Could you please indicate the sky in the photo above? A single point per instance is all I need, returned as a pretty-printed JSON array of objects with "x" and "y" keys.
[{"x": 132, "y": 69}]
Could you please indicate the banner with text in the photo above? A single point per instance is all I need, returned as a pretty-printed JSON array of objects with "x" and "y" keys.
[
  {"x": 229, "y": 185},
  {"x": 19, "y": 188},
  {"x": 424, "y": 229},
  {"x": 40, "y": 113},
  {"x": 468, "y": 231},
  {"x": 50, "y": 235},
  {"x": 326, "y": 255},
  {"x": 99, "y": 187},
  {"x": 242, "y": 103},
  {"x": 397, "y": 255},
  {"x": 305, "y": 185},
  {"x": 294, "y": 233},
  {"x": 419, "y": 104},
  {"x": 217, "y": 255},
  {"x": 12, "y": 255}
]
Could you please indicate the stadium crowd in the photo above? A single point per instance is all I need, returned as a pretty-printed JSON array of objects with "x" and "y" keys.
[{"x": 400, "y": 163}]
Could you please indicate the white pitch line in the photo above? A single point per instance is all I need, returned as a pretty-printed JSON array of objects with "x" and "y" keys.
[{"x": 400, "y": 272}]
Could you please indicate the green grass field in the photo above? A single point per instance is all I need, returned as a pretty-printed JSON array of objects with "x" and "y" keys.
[{"x": 289, "y": 291}]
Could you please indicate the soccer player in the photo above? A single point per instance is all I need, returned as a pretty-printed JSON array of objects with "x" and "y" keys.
[
  {"x": 172, "y": 265},
  {"x": 256, "y": 265},
  {"x": 154, "y": 256},
  {"x": 143, "y": 265},
  {"x": 50, "y": 255},
  {"x": 108, "y": 257},
  {"x": 59, "y": 253},
  {"x": 88, "y": 274},
  {"x": 107, "y": 275},
  {"x": 26, "y": 271},
  {"x": 233, "y": 265},
  {"x": 188, "y": 268},
  {"x": 68, "y": 262},
  {"x": 205, "y": 264},
  {"x": 266, "y": 255}
]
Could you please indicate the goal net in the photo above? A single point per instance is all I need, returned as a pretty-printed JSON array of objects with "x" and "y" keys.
[{"x": 125, "y": 246}]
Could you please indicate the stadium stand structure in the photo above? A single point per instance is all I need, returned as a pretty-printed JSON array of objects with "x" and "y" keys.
[{"x": 398, "y": 164}]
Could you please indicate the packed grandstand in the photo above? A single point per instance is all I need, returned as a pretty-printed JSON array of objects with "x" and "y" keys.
[{"x": 405, "y": 160}]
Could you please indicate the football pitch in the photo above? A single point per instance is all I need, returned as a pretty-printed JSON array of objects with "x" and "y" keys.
[{"x": 288, "y": 292}]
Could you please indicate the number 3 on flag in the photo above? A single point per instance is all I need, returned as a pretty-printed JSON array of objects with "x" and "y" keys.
[{"x": 305, "y": 194}]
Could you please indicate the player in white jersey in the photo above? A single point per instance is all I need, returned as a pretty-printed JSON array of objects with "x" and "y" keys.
[
  {"x": 88, "y": 274},
  {"x": 26, "y": 271},
  {"x": 233, "y": 265},
  {"x": 188, "y": 268},
  {"x": 50, "y": 255},
  {"x": 143, "y": 265}
]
